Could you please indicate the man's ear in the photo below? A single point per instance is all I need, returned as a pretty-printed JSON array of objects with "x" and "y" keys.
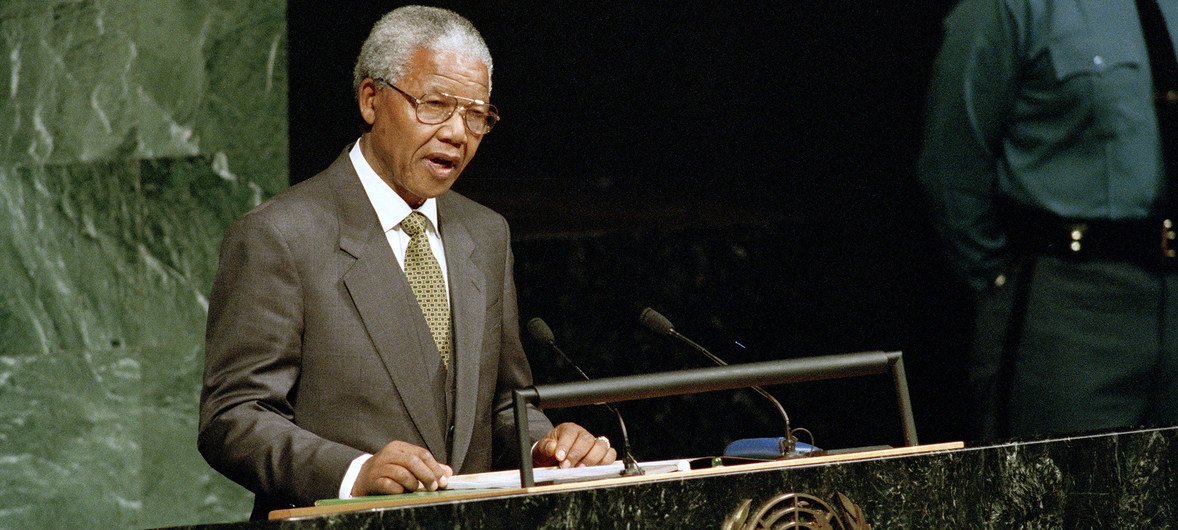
[{"x": 366, "y": 99}]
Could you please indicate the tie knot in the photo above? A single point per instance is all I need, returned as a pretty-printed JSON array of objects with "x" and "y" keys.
[{"x": 413, "y": 224}]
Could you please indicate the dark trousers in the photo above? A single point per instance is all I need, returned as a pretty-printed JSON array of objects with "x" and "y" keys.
[{"x": 1068, "y": 346}]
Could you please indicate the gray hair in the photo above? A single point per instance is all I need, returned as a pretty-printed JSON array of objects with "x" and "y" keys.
[{"x": 403, "y": 31}]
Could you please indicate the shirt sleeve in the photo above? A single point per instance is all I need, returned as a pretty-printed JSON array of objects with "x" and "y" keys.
[
  {"x": 345, "y": 487},
  {"x": 971, "y": 95}
]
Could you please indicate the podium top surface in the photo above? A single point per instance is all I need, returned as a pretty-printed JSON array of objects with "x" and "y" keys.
[{"x": 449, "y": 496}]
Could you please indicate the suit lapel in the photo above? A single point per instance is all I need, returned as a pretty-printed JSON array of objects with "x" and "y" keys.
[
  {"x": 468, "y": 309},
  {"x": 386, "y": 305}
]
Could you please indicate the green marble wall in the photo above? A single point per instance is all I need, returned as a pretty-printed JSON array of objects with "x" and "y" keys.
[{"x": 131, "y": 132}]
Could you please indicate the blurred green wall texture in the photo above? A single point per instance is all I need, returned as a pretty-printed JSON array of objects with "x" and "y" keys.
[{"x": 131, "y": 133}]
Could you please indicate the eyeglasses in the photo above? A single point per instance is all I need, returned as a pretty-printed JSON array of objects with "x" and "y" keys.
[{"x": 431, "y": 109}]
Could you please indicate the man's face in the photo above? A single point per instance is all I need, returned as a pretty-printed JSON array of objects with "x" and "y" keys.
[{"x": 421, "y": 161}]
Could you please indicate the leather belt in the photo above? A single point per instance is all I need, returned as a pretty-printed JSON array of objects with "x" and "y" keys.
[{"x": 1151, "y": 243}]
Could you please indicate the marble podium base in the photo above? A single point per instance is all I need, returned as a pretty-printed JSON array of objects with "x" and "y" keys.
[{"x": 1114, "y": 480}]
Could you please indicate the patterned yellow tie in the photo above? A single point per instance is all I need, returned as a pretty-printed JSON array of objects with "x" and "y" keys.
[{"x": 425, "y": 277}]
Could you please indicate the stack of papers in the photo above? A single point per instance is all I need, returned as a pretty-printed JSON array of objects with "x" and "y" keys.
[{"x": 555, "y": 475}]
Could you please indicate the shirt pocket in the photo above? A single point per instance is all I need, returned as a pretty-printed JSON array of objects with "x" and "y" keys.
[{"x": 1101, "y": 82}]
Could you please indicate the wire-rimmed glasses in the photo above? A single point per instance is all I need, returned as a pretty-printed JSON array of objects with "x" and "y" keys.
[{"x": 434, "y": 108}]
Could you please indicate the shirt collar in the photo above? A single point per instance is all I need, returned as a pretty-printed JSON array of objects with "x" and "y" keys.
[{"x": 390, "y": 207}]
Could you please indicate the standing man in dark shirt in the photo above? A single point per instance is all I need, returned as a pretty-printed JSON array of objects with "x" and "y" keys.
[{"x": 1044, "y": 164}]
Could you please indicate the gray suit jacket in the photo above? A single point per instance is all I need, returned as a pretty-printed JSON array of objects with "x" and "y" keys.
[{"x": 318, "y": 352}]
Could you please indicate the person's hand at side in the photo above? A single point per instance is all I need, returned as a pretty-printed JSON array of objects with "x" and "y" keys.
[
  {"x": 570, "y": 445},
  {"x": 400, "y": 467}
]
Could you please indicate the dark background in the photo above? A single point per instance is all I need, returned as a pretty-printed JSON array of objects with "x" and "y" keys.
[{"x": 746, "y": 169}]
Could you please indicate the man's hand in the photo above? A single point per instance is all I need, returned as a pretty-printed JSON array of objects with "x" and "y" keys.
[
  {"x": 400, "y": 467},
  {"x": 571, "y": 445}
]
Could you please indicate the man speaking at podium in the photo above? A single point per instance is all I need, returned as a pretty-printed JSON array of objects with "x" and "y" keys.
[{"x": 363, "y": 335}]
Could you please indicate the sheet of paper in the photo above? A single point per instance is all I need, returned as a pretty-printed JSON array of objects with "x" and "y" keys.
[{"x": 554, "y": 475}]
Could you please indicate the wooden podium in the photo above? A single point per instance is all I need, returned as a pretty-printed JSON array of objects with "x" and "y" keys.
[{"x": 493, "y": 495}]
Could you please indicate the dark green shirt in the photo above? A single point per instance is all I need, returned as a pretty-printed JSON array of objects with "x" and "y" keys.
[{"x": 1048, "y": 103}]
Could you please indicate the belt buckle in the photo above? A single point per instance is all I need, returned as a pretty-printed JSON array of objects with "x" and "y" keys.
[{"x": 1167, "y": 241}]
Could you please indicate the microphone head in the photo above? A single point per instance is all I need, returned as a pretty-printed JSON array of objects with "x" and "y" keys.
[
  {"x": 656, "y": 322},
  {"x": 540, "y": 331}
]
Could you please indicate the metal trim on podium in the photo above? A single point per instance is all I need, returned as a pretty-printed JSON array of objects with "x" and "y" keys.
[{"x": 698, "y": 380}]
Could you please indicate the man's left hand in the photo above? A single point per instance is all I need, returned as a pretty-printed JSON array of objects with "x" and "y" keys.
[{"x": 571, "y": 445}]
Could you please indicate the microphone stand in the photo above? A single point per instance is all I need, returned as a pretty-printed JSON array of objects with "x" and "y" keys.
[
  {"x": 656, "y": 322},
  {"x": 542, "y": 333},
  {"x": 788, "y": 446}
]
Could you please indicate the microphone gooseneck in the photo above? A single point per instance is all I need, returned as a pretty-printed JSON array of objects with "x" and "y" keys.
[
  {"x": 656, "y": 322},
  {"x": 542, "y": 333}
]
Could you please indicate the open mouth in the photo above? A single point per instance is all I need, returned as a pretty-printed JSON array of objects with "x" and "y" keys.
[{"x": 442, "y": 165}]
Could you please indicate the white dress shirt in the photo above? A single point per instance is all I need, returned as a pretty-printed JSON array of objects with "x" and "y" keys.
[{"x": 390, "y": 210}]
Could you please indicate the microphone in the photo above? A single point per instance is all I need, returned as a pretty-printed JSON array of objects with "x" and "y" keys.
[
  {"x": 542, "y": 333},
  {"x": 656, "y": 322}
]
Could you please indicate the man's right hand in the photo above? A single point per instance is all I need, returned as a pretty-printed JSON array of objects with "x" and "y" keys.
[{"x": 400, "y": 467}]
